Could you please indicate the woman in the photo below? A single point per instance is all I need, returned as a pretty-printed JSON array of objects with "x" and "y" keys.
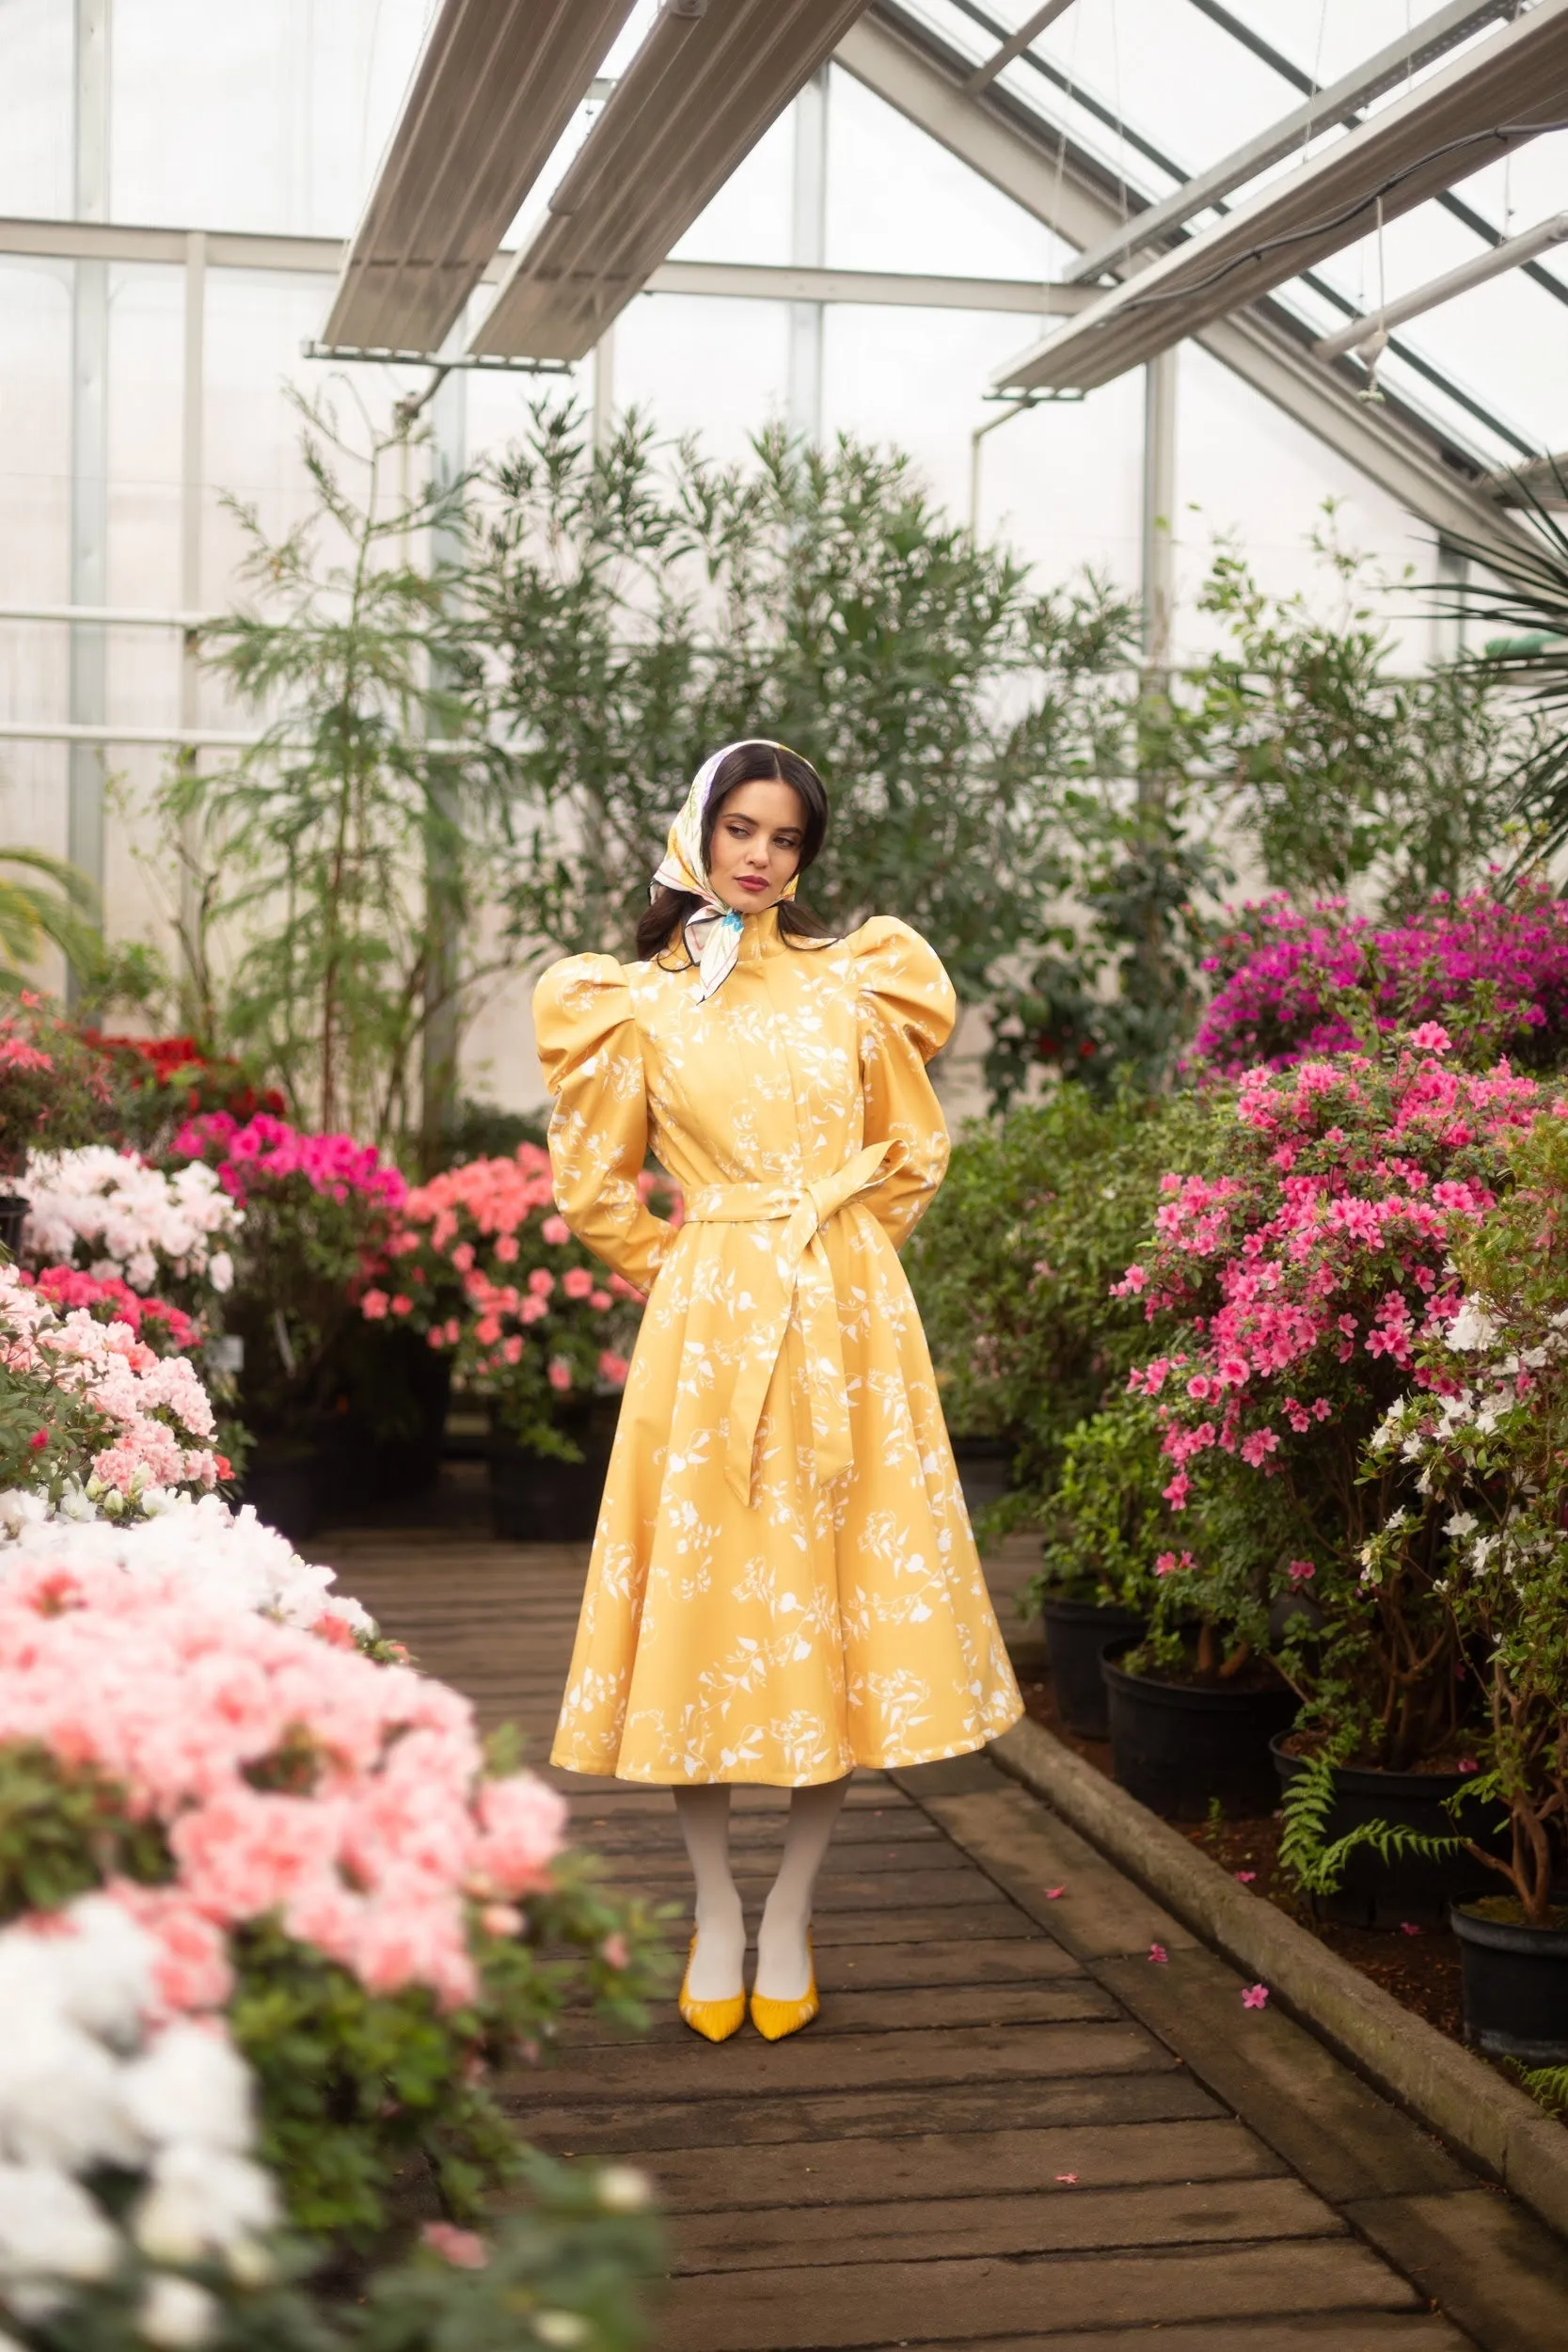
[{"x": 783, "y": 1584}]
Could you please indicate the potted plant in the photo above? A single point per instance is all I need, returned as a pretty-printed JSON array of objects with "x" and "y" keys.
[
  {"x": 1012, "y": 1266},
  {"x": 303, "y": 1934},
  {"x": 483, "y": 1264},
  {"x": 1292, "y": 1296},
  {"x": 1489, "y": 1440},
  {"x": 56, "y": 1091},
  {"x": 1109, "y": 1523},
  {"x": 317, "y": 1211}
]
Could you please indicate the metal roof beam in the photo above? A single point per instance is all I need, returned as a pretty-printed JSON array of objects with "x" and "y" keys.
[
  {"x": 1029, "y": 30},
  {"x": 1508, "y": 92},
  {"x": 744, "y": 282},
  {"x": 1433, "y": 38},
  {"x": 1014, "y": 150},
  {"x": 495, "y": 85},
  {"x": 702, "y": 89}
]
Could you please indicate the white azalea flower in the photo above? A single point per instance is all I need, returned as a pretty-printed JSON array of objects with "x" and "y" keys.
[
  {"x": 202, "y": 2202},
  {"x": 1461, "y": 1523},
  {"x": 1472, "y": 1327},
  {"x": 176, "y": 2312},
  {"x": 51, "y": 2229},
  {"x": 61, "y": 2103},
  {"x": 192, "y": 2086}
]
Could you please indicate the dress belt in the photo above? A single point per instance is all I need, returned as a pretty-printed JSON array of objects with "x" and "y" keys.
[{"x": 789, "y": 1267}]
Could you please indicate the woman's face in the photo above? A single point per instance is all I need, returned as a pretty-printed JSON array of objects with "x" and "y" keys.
[{"x": 756, "y": 851}]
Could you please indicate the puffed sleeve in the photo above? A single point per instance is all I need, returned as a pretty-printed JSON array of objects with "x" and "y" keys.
[
  {"x": 592, "y": 1058},
  {"x": 907, "y": 1012}
]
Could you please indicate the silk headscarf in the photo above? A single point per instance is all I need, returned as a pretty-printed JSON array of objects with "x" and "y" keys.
[{"x": 713, "y": 929}]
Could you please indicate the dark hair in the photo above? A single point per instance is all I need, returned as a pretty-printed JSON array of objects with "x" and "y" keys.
[{"x": 749, "y": 763}]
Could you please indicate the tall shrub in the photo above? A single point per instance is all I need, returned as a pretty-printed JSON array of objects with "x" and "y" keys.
[
  {"x": 647, "y": 604},
  {"x": 1014, "y": 1262}
]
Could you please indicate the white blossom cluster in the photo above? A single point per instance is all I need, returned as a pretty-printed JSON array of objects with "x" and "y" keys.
[
  {"x": 196, "y": 1540},
  {"x": 87, "y": 2084},
  {"x": 128, "y": 1219},
  {"x": 1453, "y": 1431}
]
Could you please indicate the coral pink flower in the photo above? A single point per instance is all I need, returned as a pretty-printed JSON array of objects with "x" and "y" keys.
[{"x": 556, "y": 1231}]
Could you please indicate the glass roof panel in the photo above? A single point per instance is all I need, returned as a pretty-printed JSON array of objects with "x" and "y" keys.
[{"x": 1157, "y": 91}]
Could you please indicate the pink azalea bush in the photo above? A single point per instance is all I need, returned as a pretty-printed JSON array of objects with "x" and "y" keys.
[
  {"x": 57, "y": 1087},
  {"x": 92, "y": 1416},
  {"x": 387, "y": 1840},
  {"x": 1294, "y": 1288},
  {"x": 483, "y": 1263},
  {"x": 167, "y": 1329},
  {"x": 309, "y": 1837},
  {"x": 318, "y": 1211},
  {"x": 260, "y": 1151},
  {"x": 1300, "y": 983}
]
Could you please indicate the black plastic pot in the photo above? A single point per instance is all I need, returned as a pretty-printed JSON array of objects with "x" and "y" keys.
[
  {"x": 1516, "y": 1987},
  {"x": 287, "y": 1491},
  {"x": 1379, "y": 1894},
  {"x": 388, "y": 1435},
  {"x": 13, "y": 1210},
  {"x": 535, "y": 1498},
  {"x": 1076, "y": 1632},
  {"x": 1180, "y": 1747}
]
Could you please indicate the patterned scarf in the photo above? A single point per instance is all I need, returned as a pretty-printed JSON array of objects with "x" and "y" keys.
[{"x": 713, "y": 930}]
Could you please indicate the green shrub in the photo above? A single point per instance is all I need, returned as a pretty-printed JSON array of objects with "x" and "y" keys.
[
  {"x": 1040, "y": 1214},
  {"x": 1109, "y": 1521}
]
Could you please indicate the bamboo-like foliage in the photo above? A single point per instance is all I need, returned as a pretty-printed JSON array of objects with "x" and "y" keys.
[
  {"x": 58, "y": 910},
  {"x": 316, "y": 852}
]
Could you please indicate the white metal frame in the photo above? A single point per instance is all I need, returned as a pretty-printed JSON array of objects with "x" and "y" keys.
[
  {"x": 1437, "y": 291},
  {"x": 1505, "y": 91},
  {"x": 1431, "y": 38},
  {"x": 1016, "y": 151}
]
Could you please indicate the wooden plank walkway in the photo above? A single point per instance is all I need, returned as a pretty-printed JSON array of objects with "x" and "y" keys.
[{"x": 1009, "y": 2128}]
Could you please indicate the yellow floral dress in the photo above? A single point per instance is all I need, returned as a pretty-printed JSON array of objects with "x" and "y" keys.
[{"x": 783, "y": 1584}]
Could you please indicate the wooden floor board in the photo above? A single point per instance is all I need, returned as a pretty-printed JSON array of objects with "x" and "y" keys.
[{"x": 1001, "y": 2135}]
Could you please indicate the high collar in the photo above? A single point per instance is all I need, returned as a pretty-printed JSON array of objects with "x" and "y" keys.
[{"x": 759, "y": 935}]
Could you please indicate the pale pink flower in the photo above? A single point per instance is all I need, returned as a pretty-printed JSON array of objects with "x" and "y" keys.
[{"x": 462, "y": 2248}]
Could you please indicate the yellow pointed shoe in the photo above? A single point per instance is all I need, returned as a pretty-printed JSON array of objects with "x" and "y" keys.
[
  {"x": 774, "y": 2019},
  {"x": 714, "y": 2020}
]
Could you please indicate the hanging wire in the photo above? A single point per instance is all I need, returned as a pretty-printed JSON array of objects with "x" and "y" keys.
[
  {"x": 1062, "y": 267},
  {"x": 1116, "y": 108},
  {"x": 1371, "y": 351}
]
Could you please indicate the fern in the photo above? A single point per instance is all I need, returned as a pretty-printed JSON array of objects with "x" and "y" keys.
[
  {"x": 1316, "y": 1866},
  {"x": 1549, "y": 2085}
]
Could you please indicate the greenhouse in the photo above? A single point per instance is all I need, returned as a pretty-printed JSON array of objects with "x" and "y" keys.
[{"x": 784, "y": 1121}]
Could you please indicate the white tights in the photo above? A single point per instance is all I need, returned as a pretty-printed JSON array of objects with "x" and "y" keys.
[{"x": 784, "y": 1964}]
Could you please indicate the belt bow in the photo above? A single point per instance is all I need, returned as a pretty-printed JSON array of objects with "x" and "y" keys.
[{"x": 794, "y": 1268}]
